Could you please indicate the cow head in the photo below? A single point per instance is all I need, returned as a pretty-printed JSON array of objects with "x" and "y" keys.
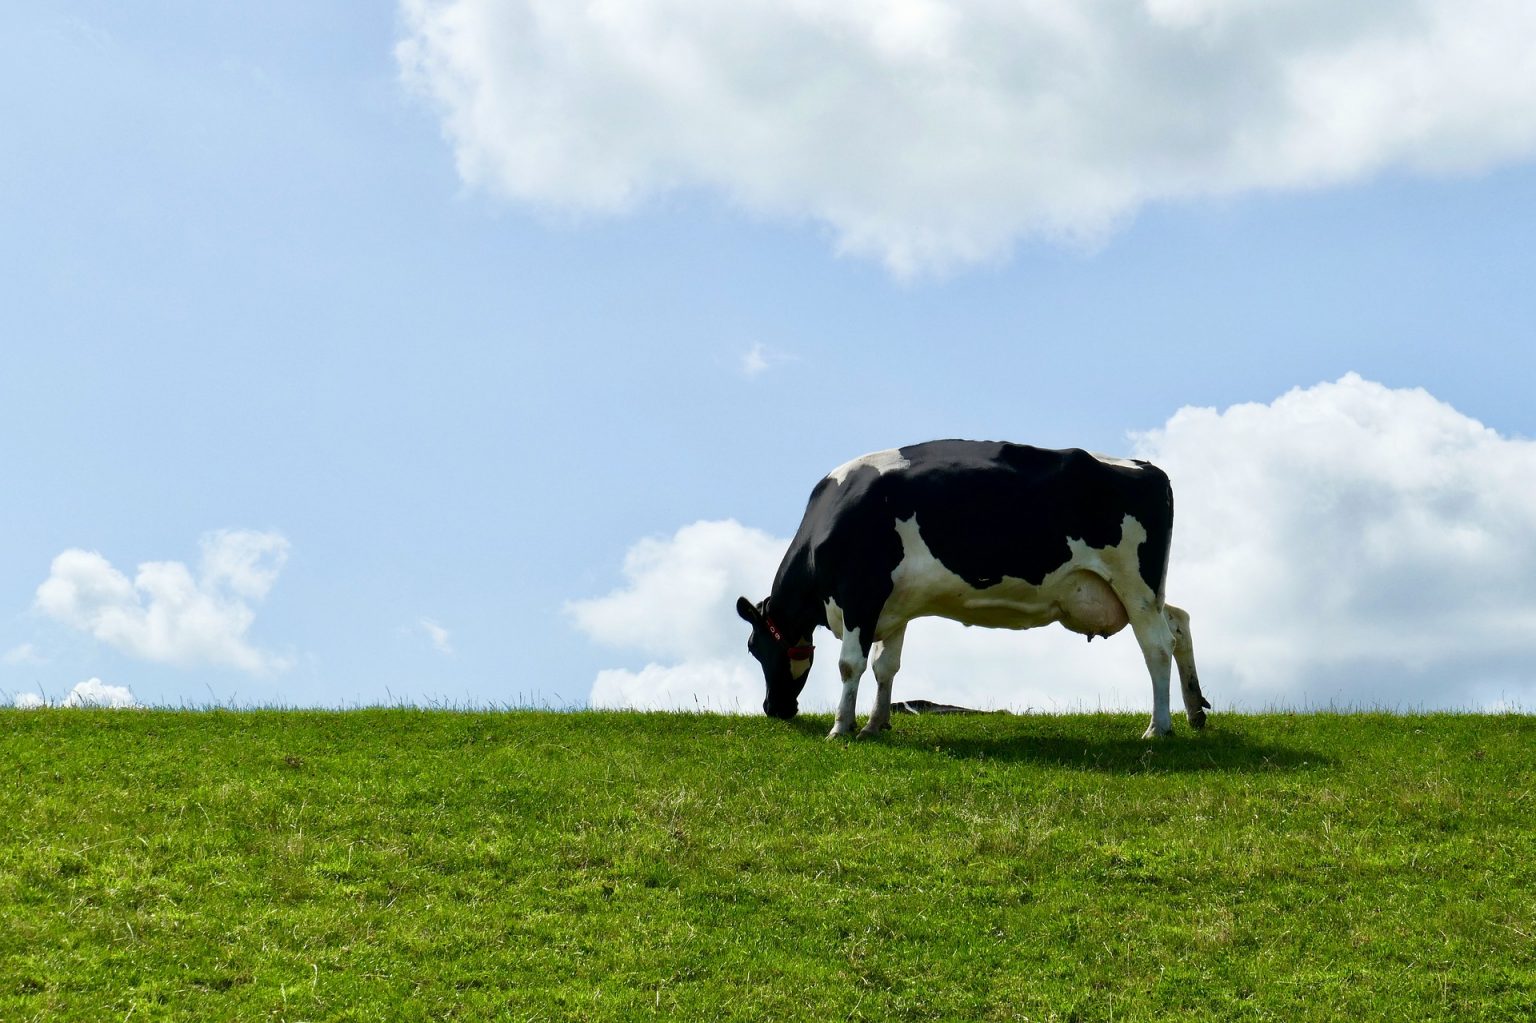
[{"x": 785, "y": 665}]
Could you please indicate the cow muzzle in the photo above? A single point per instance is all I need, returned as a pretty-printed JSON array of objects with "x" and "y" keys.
[{"x": 782, "y": 711}]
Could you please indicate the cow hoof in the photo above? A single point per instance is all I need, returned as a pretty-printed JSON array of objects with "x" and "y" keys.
[
  {"x": 839, "y": 733},
  {"x": 1197, "y": 719},
  {"x": 1153, "y": 732},
  {"x": 871, "y": 733}
]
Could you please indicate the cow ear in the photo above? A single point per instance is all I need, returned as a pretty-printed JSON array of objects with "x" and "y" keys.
[{"x": 747, "y": 611}]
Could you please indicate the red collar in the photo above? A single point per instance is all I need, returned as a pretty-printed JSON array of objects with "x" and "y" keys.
[{"x": 796, "y": 653}]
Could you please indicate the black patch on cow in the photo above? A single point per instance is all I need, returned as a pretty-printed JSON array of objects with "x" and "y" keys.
[{"x": 986, "y": 509}]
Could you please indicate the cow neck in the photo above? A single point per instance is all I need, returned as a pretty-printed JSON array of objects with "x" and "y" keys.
[{"x": 793, "y": 612}]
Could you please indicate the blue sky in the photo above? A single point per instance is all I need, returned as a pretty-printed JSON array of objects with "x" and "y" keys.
[{"x": 254, "y": 286}]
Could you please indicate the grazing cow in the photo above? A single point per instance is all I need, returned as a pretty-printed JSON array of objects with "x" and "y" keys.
[{"x": 984, "y": 533}]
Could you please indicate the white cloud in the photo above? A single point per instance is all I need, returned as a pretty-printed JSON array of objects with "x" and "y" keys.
[
  {"x": 933, "y": 132},
  {"x": 1356, "y": 542},
  {"x": 678, "y": 606},
  {"x": 678, "y": 602},
  {"x": 167, "y": 614},
  {"x": 1346, "y": 544},
  {"x": 732, "y": 686},
  {"x": 441, "y": 640},
  {"x": 90, "y": 693}
]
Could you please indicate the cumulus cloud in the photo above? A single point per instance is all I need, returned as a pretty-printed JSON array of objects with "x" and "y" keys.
[
  {"x": 1352, "y": 538},
  {"x": 1346, "y": 544},
  {"x": 927, "y": 133},
  {"x": 90, "y": 693},
  {"x": 677, "y": 608},
  {"x": 166, "y": 613}
]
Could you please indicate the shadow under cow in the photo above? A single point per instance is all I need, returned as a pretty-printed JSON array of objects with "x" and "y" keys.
[{"x": 1044, "y": 739}]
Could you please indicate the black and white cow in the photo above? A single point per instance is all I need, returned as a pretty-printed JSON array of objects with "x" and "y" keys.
[{"x": 981, "y": 532}]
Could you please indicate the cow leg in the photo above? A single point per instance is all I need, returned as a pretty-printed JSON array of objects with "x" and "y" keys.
[
  {"x": 850, "y": 663},
  {"x": 1195, "y": 703},
  {"x": 886, "y": 664},
  {"x": 1156, "y": 640}
]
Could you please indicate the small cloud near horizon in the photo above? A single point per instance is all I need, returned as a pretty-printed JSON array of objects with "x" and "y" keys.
[
  {"x": 92, "y": 692},
  {"x": 167, "y": 613}
]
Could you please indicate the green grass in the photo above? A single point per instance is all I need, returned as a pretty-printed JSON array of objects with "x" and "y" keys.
[{"x": 428, "y": 865}]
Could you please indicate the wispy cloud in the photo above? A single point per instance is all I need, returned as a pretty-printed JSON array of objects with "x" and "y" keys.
[
  {"x": 441, "y": 641},
  {"x": 755, "y": 361},
  {"x": 166, "y": 613},
  {"x": 26, "y": 653}
]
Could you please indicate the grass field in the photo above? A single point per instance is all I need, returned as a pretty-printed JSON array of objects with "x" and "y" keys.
[{"x": 427, "y": 865}]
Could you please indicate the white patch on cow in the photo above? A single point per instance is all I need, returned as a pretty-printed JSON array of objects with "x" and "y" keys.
[
  {"x": 799, "y": 669},
  {"x": 1078, "y": 593},
  {"x": 834, "y": 618},
  {"x": 881, "y": 461},
  {"x": 1124, "y": 463}
]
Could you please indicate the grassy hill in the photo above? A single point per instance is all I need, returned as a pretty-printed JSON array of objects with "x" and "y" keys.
[{"x": 429, "y": 865}]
